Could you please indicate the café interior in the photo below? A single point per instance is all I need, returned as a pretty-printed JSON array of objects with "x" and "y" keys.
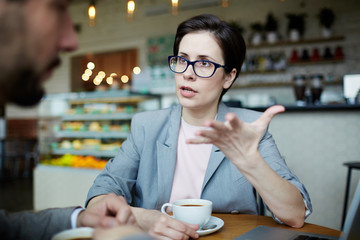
[{"x": 302, "y": 54}]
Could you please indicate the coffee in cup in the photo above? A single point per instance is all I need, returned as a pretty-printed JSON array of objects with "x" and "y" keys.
[{"x": 193, "y": 211}]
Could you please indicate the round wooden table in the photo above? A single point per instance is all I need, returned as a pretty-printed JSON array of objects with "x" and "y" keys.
[{"x": 237, "y": 224}]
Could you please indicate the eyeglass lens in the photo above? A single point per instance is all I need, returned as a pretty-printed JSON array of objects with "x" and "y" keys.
[{"x": 202, "y": 68}]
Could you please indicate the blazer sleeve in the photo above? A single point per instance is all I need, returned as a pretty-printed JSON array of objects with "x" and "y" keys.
[
  {"x": 39, "y": 225},
  {"x": 120, "y": 173}
]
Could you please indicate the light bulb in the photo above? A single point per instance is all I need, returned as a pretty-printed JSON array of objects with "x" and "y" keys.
[
  {"x": 92, "y": 14},
  {"x": 130, "y": 9}
]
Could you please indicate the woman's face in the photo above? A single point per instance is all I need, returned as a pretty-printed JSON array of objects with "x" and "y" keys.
[{"x": 194, "y": 92}]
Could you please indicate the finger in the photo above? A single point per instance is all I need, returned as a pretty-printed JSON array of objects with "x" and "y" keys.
[
  {"x": 88, "y": 219},
  {"x": 217, "y": 125},
  {"x": 269, "y": 114},
  {"x": 124, "y": 215},
  {"x": 233, "y": 121},
  {"x": 198, "y": 140},
  {"x": 185, "y": 228},
  {"x": 177, "y": 229},
  {"x": 109, "y": 222}
]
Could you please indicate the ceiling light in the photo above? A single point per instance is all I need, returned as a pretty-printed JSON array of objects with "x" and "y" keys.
[
  {"x": 92, "y": 13},
  {"x": 175, "y": 5},
  {"x": 130, "y": 9}
]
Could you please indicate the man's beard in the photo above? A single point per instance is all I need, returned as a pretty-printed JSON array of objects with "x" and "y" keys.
[{"x": 25, "y": 86}]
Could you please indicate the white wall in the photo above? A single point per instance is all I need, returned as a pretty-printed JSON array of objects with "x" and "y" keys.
[{"x": 315, "y": 145}]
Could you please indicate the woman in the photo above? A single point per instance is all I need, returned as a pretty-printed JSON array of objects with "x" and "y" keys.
[{"x": 201, "y": 148}]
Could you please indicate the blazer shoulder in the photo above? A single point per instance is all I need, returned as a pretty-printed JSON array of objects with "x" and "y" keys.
[{"x": 154, "y": 117}]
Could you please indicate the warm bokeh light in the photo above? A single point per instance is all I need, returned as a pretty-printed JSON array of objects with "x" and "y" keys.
[
  {"x": 174, "y": 4},
  {"x": 136, "y": 70},
  {"x": 113, "y": 75},
  {"x": 124, "y": 79},
  {"x": 225, "y": 3},
  {"x": 109, "y": 80},
  {"x": 92, "y": 12},
  {"x": 131, "y": 7},
  {"x": 85, "y": 77},
  {"x": 97, "y": 80},
  {"x": 102, "y": 74},
  {"x": 90, "y": 65},
  {"x": 88, "y": 72}
]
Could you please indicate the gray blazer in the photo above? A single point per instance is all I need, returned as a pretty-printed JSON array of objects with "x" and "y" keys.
[
  {"x": 143, "y": 169},
  {"x": 40, "y": 225}
]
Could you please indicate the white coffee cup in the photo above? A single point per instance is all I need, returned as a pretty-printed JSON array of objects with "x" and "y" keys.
[{"x": 193, "y": 211}]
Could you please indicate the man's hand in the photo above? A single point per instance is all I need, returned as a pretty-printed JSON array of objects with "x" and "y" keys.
[
  {"x": 109, "y": 211},
  {"x": 120, "y": 232}
]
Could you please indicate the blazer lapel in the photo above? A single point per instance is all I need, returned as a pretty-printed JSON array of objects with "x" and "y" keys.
[
  {"x": 166, "y": 153},
  {"x": 216, "y": 156}
]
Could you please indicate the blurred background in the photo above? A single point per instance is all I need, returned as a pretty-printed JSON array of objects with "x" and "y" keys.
[{"x": 300, "y": 53}]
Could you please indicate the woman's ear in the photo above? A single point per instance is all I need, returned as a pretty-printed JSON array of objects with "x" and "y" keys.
[{"x": 229, "y": 78}]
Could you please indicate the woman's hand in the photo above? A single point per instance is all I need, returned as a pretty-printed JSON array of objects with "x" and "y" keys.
[
  {"x": 161, "y": 226},
  {"x": 236, "y": 139},
  {"x": 239, "y": 141}
]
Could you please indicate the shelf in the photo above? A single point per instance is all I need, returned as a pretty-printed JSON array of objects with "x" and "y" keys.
[
  {"x": 91, "y": 134},
  {"x": 262, "y": 72},
  {"x": 330, "y": 61},
  {"x": 129, "y": 100},
  {"x": 94, "y": 117},
  {"x": 278, "y": 84},
  {"x": 94, "y": 153},
  {"x": 305, "y": 41}
]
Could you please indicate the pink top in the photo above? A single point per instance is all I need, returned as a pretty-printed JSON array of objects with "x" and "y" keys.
[{"x": 191, "y": 164}]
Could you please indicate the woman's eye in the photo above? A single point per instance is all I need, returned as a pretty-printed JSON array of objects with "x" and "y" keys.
[
  {"x": 181, "y": 60},
  {"x": 204, "y": 63}
]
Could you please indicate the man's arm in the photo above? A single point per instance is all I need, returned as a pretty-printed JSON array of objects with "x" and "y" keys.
[{"x": 34, "y": 225}]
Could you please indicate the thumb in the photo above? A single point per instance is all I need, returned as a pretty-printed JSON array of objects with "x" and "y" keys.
[{"x": 269, "y": 114}]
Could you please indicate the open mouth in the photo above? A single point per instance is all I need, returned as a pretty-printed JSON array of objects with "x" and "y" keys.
[{"x": 187, "y": 89}]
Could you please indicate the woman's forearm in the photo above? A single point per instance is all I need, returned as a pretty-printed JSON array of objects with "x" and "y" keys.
[{"x": 282, "y": 197}]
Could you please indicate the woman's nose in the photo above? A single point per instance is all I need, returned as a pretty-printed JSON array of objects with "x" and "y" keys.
[{"x": 189, "y": 73}]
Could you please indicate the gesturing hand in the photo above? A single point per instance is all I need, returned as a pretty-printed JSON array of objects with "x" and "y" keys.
[
  {"x": 109, "y": 211},
  {"x": 236, "y": 139}
]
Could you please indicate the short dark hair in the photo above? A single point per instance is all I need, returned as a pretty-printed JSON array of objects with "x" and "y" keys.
[{"x": 228, "y": 38}]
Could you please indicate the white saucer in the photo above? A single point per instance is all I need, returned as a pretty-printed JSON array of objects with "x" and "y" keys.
[
  {"x": 213, "y": 220},
  {"x": 83, "y": 232}
]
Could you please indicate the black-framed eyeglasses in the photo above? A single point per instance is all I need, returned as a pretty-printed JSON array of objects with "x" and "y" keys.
[{"x": 202, "y": 68}]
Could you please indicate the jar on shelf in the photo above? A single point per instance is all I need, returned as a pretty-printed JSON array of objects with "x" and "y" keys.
[
  {"x": 299, "y": 89},
  {"x": 316, "y": 87}
]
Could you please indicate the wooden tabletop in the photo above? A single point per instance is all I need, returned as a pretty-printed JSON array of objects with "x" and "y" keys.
[{"x": 237, "y": 224}]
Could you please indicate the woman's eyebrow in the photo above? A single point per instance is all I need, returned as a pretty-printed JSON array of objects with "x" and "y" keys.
[{"x": 183, "y": 54}]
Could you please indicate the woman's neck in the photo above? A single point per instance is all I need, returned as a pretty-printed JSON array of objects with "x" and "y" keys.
[{"x": 197, "y": 117}]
